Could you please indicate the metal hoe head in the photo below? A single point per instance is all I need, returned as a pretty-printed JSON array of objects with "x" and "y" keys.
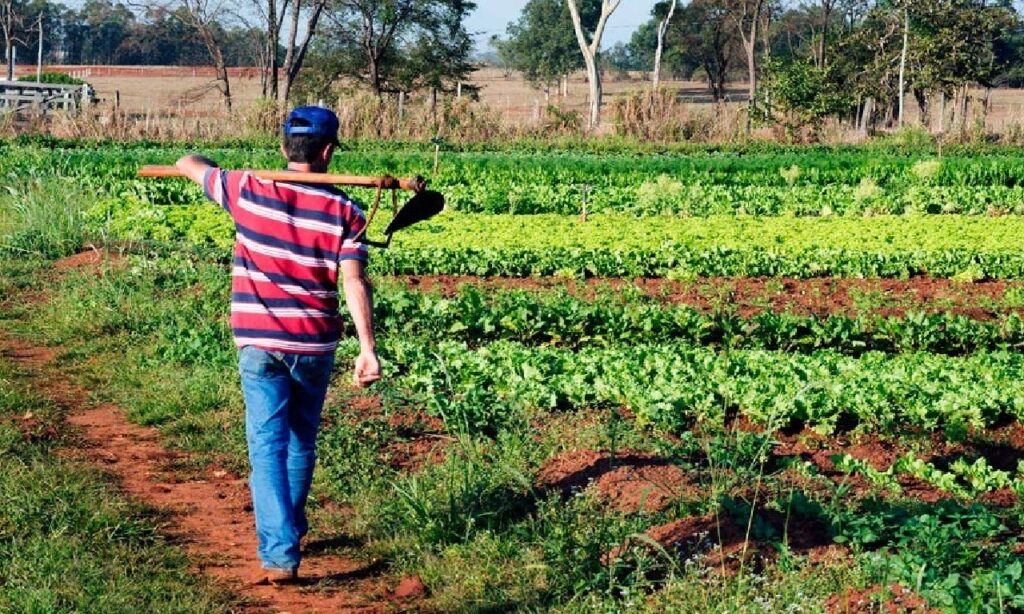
[{"x": 423, "y": 206}]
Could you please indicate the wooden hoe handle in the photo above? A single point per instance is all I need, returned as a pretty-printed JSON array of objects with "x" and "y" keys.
[{"x": 414, "y": 184}]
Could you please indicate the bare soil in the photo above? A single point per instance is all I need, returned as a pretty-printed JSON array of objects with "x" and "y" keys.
[
  {"x": 724, "y": 544},
  {"x": 95, "y": 259},
  {"x": 210, "y": 513},
  {"x": 897, "y": 599},
  {"x": 749, "y": 296},
  {"x": 628, "y": 481}
]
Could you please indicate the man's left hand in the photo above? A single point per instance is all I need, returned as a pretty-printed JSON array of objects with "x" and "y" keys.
[{"x": 367, "y": 369}]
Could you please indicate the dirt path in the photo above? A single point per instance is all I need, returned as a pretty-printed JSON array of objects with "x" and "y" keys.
[{"x": 210, "y": 514}]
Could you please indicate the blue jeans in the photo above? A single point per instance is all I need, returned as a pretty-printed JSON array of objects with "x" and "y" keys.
[{"x": 284, "y": 394}]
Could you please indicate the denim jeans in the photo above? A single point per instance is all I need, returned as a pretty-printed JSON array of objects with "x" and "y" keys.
[{"x": 284, "y": 394}]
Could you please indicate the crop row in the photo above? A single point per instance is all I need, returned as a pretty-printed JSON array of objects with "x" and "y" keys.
[
  {"x": 800, "y": 167},
  {"x": 799, "y": 184},
  {"x": 557, "y": 318},
  {"x": 675, "y": 385},
  {"x": 966, "y": 248}
]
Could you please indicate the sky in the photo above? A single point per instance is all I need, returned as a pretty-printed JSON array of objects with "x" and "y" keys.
[{"x": 492, "y": 16}]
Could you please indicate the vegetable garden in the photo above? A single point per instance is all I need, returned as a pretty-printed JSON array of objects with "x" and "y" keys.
[{"x": 754, "y": 379}]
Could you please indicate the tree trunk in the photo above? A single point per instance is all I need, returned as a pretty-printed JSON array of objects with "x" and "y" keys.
[
  {"x": 903, "y": 62},
  {"x": 289, "y": 52},
  {"x": 222, "y": 77},
  {"x": 921, "y": 96},
  {"x": 662, "y": 30},
  {"x": 749, "y": 35},
  {"x": 297, "y": 56},
  {"x": 594, "y": 99},
  {"x": 942, "y": 112},
  {"x": 273, "y": 36},
  {"x": 9, "y": 57},
  {"x": 590, "y": 52},
  {"x": 826, "y": 13},
  {"x": 865, "y": 118}
]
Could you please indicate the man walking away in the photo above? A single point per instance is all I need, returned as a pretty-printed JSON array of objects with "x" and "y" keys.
[{"x": 293, "y": 242}]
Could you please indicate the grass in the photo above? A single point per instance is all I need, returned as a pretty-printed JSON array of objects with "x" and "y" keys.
[
  {"x": 42, "y": 218},
  {"x": 69, "y": 542}
]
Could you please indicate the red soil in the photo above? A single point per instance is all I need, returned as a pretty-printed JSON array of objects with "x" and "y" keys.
[
  {"x": 211, "y": 513},
  {"x": 724, "y": 544},
  {"x": 894, "y": 600},
  {"x": 629, "y": 481},
  {"x": 94, "y": 259},
  {"x": 750, "y": 296}
]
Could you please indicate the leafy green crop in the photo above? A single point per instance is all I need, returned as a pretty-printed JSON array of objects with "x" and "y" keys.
[
  {"x": 610, "y": 319},
  {"x": 698, "y": 185}
]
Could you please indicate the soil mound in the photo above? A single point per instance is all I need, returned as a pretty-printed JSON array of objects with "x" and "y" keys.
[{"x": 629, "y": 481}]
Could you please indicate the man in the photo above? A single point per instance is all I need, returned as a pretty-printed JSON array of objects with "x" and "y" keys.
[{"x": 293, "y": 241}]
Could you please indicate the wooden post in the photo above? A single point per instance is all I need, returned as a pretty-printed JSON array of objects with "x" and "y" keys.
[
  {"x": 437, "y": 156},
  {"x": 458, "y": 90},
  {"x": 584, "y": 191},
  {"x": 117, "y": 100},
  {"x": 401, "y": 105},
  {"x": 536, "y": 110}
]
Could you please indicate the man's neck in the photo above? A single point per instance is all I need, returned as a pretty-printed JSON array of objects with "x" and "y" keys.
[{"x": 302, "y": 167}]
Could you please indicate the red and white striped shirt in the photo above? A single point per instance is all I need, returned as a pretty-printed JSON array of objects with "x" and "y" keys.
[{"x": 289, "y": 239}]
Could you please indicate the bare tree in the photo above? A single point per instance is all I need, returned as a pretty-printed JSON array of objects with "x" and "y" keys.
[
  {"x": 296, "y": 55},
  {"x": 204, "y": 16},
  {"x": 747, "y": 17},
  {"x": 662, "y": 29},
  {"x": 266, "y": 16},
  {"x": 590, "y": 50},
  {"x": 9, "y": 23}
]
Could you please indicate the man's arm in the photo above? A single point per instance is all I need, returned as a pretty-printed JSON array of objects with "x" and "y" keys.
[
  {"x": 359, "y": 298},
  {"x": 195, "y": 167}
]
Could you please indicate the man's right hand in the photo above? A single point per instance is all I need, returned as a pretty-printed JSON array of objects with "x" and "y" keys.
[{"x": 367, "y": 369}]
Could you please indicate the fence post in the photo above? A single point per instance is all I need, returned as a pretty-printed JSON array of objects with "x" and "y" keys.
[{"x": 401, "y": 105}]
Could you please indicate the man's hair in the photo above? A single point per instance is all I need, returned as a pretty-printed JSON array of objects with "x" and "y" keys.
[{"x": 304, "y": 148}]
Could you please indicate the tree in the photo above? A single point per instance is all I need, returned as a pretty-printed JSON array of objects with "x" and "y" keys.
[
  {"x": 438, "y": 56},
  {"x": 541, "y": 44},
  {"x": 375, "y": 41},
  {"x": 10, "y": 21},
  {"x": 204, "y": 16},
  {"x": 949, "y": 44},
  {"x": 662, "y": 11},
  {"x": 746, "y": 14},
  {"x": 590, "y": 44},
  {"x": 295, "y": 56},
  {"x": 705, "y": 30}
]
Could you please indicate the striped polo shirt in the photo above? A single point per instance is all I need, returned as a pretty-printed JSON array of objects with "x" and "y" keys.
[{"x": 289, "y": 239}]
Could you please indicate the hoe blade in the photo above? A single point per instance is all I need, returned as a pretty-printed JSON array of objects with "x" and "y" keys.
[{"x": 423, "y": 206}]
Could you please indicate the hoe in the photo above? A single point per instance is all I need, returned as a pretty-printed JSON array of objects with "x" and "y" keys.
[{"x": 424, "y": 205}]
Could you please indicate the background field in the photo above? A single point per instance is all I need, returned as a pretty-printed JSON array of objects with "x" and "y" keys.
[{"x": 191, "y": 92}]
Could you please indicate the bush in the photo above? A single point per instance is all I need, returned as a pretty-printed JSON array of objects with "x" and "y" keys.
[{"x": 59, "y": 78}]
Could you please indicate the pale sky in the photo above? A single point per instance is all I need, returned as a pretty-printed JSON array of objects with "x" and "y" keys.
[{"x": 492, "y": 16}]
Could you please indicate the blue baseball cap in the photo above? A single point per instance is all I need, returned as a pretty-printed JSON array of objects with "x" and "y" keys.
[{"x": 315, "y": 121}]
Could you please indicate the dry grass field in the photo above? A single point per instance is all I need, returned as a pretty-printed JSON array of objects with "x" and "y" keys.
[{"x": 191, "y": 92}]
